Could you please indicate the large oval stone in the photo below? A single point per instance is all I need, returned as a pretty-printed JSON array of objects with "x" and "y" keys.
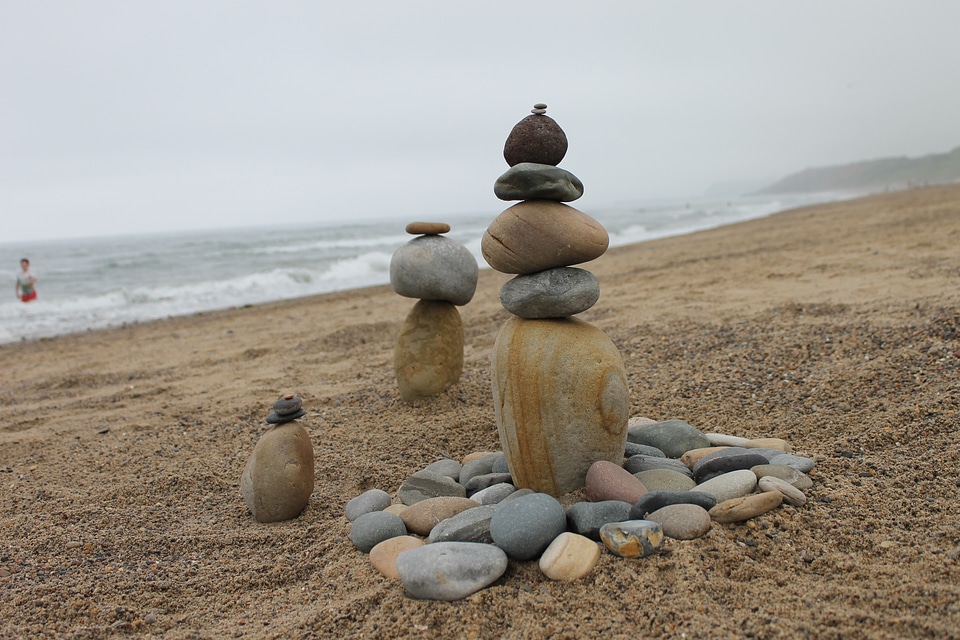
[
  {"x": 554, "y": 293},
  {"x": 531, "y": 181},
  {"x": 450, "y": 570},
  {"x": 536, "y": 138},
  {"x": 535, "y": 235},
  {"x": 428, "y": 357},
  {"x": 673, "y": 437},
  {"x": 423, "y": 516},
  {"x": 434, "y": 267},
  {"x": 278, "y": 479},
  {"x": 524, "y": 527},
  {"x": 560, "y": 400}
]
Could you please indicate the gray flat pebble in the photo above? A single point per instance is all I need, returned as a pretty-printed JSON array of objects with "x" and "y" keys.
[
  {"x": 586, "y": 518},
  {"x": 673, "y": 437},
  {"x": 524, "y": 527},
  {"x": 450, "y": 570},
  {"x": 553, "y": 293},
  {"x": 477, "y": 483},
  {"x": 372, "y": 528},
  {"x": 445, "y": 467},
  {"x": 366, "y": 502},
  {"x": 730, "y": 459},
  {"x": 427, "y": 484},
  {"x": 472, "y": 525},
  {"x": 636, "y": 464},
  {"x": 478, "y": 467},
  {"x": 494, "y": 493},
  {"x": 797, "y": 462},
  {"x": 634, "y": 449},
  {"x": 500, "y": 464},
  {"x": 656, "y": 500}
]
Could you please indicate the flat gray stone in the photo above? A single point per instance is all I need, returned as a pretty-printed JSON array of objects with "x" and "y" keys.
[
  {"x": 450, "y": 570},
  {"x": 478, "y": 467},
  {"x": 524, "y": 527},
  {"x": 532, "y": 181},
  {"x": 554, "y": 293},
  {"x": 434, "y": 268},
  {"x": 799, "y": 463},
  {"x": 472, "y": 525},
  {"x": 445, "y": 467},
  {"x": 636, "y": 464},
  {"x": 366, "y": 502},
  {"x": 656, "y": 500},
  {"x": 372, "y": 528},
  {"x": 586, "y": 518},
  {"x": 634, "y": 449},
  {"x": 478, "y": 483},
  {"x": 427, "y": 484},
  {"x": 673, "y": 437},
  {"x": 725, "y": 461},
  {"x": 500, "y": 464},
  {"x": 494, "y": 493}
]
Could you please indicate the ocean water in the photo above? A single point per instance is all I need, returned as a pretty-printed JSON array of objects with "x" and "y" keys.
[{"x": 93, "y": 283}]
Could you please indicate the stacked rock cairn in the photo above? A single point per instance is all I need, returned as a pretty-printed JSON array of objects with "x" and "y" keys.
[
  {"x": 442, "y": 274},
  {"x": 277, "y": 482},
  {"x": 559, "y": 383}
]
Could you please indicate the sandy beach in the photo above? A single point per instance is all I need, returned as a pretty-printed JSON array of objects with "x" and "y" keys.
[{"x": 835, "y": 327}]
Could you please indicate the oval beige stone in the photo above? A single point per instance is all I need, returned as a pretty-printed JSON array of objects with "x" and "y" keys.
[
  {"x": 768, "y": 443},
  {"x": 739, "y": 509},
  {"x": 791, "y": 495},
  {"x": 278, "y": 479},
  {"x": 569, "y": 557},
  {"x": 535, "y": 235},
  {"x": 560, "y": 401},
  {"x": 423, "y": 516},
  {"x": 428, "y": 357},
  {"x": 383, "y": 556},
  {"x": 691, "y": 457}
]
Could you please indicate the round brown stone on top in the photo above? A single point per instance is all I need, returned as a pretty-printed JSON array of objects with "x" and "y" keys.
[
  {"x": 427, "y": 228},
  {"x": 537, "y": 138}
]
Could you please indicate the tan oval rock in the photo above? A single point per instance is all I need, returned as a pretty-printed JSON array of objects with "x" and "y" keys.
[
  {"x": 569, "y": 557},
  {"x": 427, "y": 228},
  {"x": 278, "y": 479},
  {"x": 691, "y": 457},
  {"x": 768, "y": 443},
  {"x": 535, "y": 235},
  {"x": 428, "y": 357},
  {"x": 607, "y": 480},
  {"x": 396, "y": 509},
  {"x": 383, "y": 556},
  {"x": 423, "y": 516},
  {"x": 739, "y": 509},
  {"x": 560, "y": 400}
]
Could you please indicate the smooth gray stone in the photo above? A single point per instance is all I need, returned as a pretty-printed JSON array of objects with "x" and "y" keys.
[
  {"x": 494, "y": 494},
  {"x": 366, "y": 502},
  {"x": 586, "y": 518},
  {"x": 633, "y": 538},
  {"x": 434, "y": 267},
  {"x": 636, "y": 464},
  {"x": 519, "y": 493},
  {"x": 450, "y": 570},
  {"x": 721, "y": 462},
  {"x": 532, "y": 181},
  {"x": 782, "y": 471},
  {"x": 634, "y": 449},
  {"x": 500, "y": 464},
  {"x": 799, "y": 463},
  {"x": 791, "y": 495},
  {"x": 477, "y": 483},
  {"x": 554, "y": 293},
  {"x": 769, "y": 454},
  {"x": 372, "y": 528},
  {"x": 427, "y": 484},
  {"x": 673, "y": 437},
  {"x": 445, "y": 467},
  {"x": 665, "y": 480},
  {"x": 725, "y": 440},
  {"x": 478, "y": 467},
  {"x": 682, "y": 521},
  {"x": 472, "y": 525},
  {"x": 656, "y": 500},
  {"x": 524, "y": 527},
  {"x": 735, "y": 484}
]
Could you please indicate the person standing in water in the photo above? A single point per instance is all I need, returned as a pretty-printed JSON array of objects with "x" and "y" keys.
[{"x": 25, "y": 282}]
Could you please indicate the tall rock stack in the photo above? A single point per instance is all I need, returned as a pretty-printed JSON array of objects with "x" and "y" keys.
[
  {"x": 442, "y": 273},
  {"x": 559, "y": 383}
]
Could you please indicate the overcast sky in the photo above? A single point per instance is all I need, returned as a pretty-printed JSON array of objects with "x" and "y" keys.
[{"x": 127, "y": 117}]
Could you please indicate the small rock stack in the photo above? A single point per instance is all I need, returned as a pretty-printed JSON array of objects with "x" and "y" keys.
[
  {"x": 559, "y": 384},
  {"x": 277, "y": 482},
  {"x": 442, "y": 273}
]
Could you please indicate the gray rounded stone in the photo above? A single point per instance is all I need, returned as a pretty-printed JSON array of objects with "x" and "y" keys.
[
  {"x": 516, "y": 495},
  {"x": 728, "y": 486},
  {"x": 523, "y": 528},
  {"x": 799, "y": 463},
  {"x": 445, "y": 467},
  {"x": 673, "y": 437},
  {"x": 478, "y": 483},
  {"x": 634, "y": 449},
  {"x": 472, "y": 525},
  {"x": 725, "y": 461},
  {"x": 586, "y": 518},
  {"x": 656, "y": 500},
  {"x": 372, "y": 528},
  {"x": 500, "y": 464},
  {"x": 665, "y": 480},
  {"x": 682, "y": 521},
  {"x": 494, "y": 494},
  {"x": 478, "y": 467},
  {"x": 450, "y": 570},
  {"x": 427, "y": 484},
  {"x": 434, "y": 268},
  {"x": 636, "y": 464},
  {"x": 554, "y": 293},
  {"x": 532, "y": 181},
  {"x": 367, "y": 502}
]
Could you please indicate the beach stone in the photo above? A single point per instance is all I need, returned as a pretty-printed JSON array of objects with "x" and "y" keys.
[
  {"x": 372, "y": 528},
  {"x": 478, "y": 466},
  {"x": 665, "y": 480},
  {"x": 693, "y": 456},
  {"x": 730, "y": 459},
  {"x": 396, "y": 509},
  {"x": 476, "y": 455},
  {"x": 532, "y": 181},
  {"x": 535, "y": 235},
  {"x": 731, "y": 485},
  {"x": 383, "y": 556},
  {"x": 427, "y": 228},
  {"x": 682, "y": 521},
  {"x": 724, "y": 440},
  {"x": 478, "y": 483},
  {"x": 493, "y": 494},
  {"x": 769, "y": 454},
  {"x": 632, "y": 538},
  {"x": 586, "y": 518},
  {"x": 606, "y": 480},
  {"x": 423, "y": 516},
  {"x": 500, "y": 465},
  {"x": 782, "y": 471},
  {"x": 634, "y": 449},
  {"x": 803, "y": 481},
  {"x": 277, "y": 480},
  {"x": 673, "y": 437},
  {"x": 640, "y": 463},
  {"x": 428, "y": 357},
  {"x": 797, "y": 462},
  {"x": 638, "y": 421},
  {"x": 470, "y": 525},
  {"x": 791, "y": 495},
  {"x": 554, "y": 293},
  {"x": 560, "y": 401},
  {"x": 427, "y": 484},
  {"x": 434, "y": 268},
  {"x": 656, "y": 500},
  {"x": 285, "y": 409},
  {"x": 569, "y": 557},
  {"x": 445, "y": 467},
  {"x": 538, "y": 139},
  {"x": 450, "y": 570},
  {"x": 519, "y": 493},
  {"x": 768, "y": 443},
  {"x": 739, "y": 509},
  {"x": 372, "y": 500},
  {"x": 524, "y": 527}
]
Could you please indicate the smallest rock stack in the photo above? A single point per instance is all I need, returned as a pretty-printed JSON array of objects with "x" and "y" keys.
[
  {"x": 442, "y": 274},
  {"x": 277, "y": 482}
]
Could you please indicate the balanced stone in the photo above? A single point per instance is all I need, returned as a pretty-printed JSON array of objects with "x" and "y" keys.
[
  {"x": 493, "y": 494},
  {"x": 673, "y": 437},
  {"x": 287, "y": 408},
  {"x": 665, "y": 480},
  {"x": 656, "y": 500},
  {"x": 537, "y": 138},
  {"x": 434, "y": 268},
  {"x": 569, "y": 557},
  {"x": 586, "y": 518},
  {"x": 731, "y": 459},
  {"x": 535, "y": 235},
  {"x": 746, "y": 507},
  {"x": 791, "y": 495},
  {"x": 427, "y": 484},
  {"x": 524, "y": 527},
  {"x": 531, "y": 181},
  {"x": 471, "y": 525},
  {"x": 560, "y": 401},
  {"x": 731, "y": 485},
  {"x": 450, "y": 570},
  {"x": 633, "y": 538},
  {"x": 606, "y": 480},
  {"x": 682, "y": 521},
  {"x": 423, "y": 516},
  {"x": 428, "y": 357},
  {"x": 383, "y": 556},
  {"x": 427, "y": 228},
  {"x": 278, "y": 479},
  {"x": 372, "y": 528},
  {"x": 372, "y": 500},
  {"x": 639, "y": 463},
  {"x": 554, "y": 293}
]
